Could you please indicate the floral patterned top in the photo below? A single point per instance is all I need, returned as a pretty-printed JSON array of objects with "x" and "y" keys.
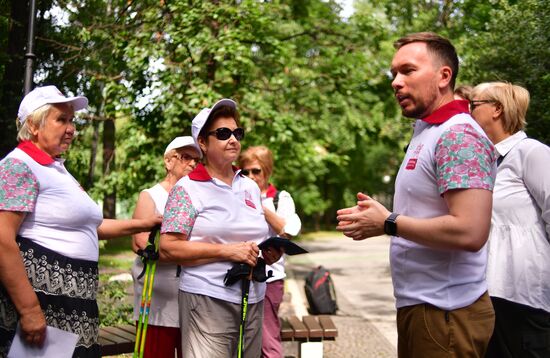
[
  {"x": 179, "y": 213},
  {"x": 59, "y": 213},
  {"x": 209, "y": 210},
  {"x": 464, "y": 159},
  {"x": 18, "y": 186}
]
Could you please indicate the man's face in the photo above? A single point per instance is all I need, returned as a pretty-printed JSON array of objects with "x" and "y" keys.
[{"x": 416, "y": 80}]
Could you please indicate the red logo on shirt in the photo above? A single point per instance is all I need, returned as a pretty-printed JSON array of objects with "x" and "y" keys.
[
  {"x": 411, "y": 164},
  {"x": 248, "y": 200}
]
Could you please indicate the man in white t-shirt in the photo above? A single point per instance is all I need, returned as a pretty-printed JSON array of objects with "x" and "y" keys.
[{"x": 442, "y": 209}]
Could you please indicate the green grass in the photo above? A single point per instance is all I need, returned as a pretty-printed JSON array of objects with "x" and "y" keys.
[{"x": 116, "y": 254}]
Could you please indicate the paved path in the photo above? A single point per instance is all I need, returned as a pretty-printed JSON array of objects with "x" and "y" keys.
[{"x": 360, "y": 270}]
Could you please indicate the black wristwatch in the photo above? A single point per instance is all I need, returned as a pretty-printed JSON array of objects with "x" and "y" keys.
[{"x": 390, "y": 226}]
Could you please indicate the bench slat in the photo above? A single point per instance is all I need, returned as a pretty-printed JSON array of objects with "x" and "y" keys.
[
  {"x": 121, "y": 332},
  {"x": 329, "y": 329},
  {"x": 287, "y": 333},
  {"x": 108, "y": 347},
  {"x": 116, "y": 340},
  {"x": 313, "y": 326},
  {"x": 300, "y": 330}
]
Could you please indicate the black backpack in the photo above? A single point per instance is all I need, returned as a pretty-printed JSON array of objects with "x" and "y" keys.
[{"x": 320, "y": 292}]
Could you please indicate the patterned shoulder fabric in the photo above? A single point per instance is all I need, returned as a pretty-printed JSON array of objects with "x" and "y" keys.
[
  {"x": 18, "y": 186},
  {"x": 464, "y": 160},
  {"x": 179, "y": 213}
]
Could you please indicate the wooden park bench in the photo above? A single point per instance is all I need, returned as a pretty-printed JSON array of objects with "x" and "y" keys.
[
  {"x": 310, "y": 332},
  {"x": 117, "y": 340}
]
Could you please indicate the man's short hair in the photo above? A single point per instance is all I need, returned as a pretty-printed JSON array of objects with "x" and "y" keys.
[{"x": 438, "y": 45}]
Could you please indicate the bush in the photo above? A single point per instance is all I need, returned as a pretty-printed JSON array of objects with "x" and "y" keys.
[{"x": 114, "y": 308}]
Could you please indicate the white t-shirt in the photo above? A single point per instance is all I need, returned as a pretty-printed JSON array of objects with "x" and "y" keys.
[
  {"x": 164, "y": 304},
  {"x": 454, "y": 154},
  {"x": 208, "y": 210},
  {"x": 519, "y": 243},
  {"x": 60, "y": 214}
]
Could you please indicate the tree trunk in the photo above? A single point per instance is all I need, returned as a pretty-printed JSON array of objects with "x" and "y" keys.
[
  {"x": 109, "y": 198},
  {"x": 12, "y": 81},
  {"x": 93, "y": 153}
]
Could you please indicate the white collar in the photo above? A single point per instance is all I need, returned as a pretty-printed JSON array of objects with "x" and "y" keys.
[{"x": 504, "y": 146}]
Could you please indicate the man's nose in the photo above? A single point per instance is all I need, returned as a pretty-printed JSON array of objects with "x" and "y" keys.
[{"x": 397, "y": 81}]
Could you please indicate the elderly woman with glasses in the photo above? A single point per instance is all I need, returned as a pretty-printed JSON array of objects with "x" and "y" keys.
[
  {"x": 280, "y": 213},
  {"x": 518, "y": 269},
  {"x": 213, "y": 218},
  {"x": 49, "y": 230},
  {"x": 163, "y": 334}
]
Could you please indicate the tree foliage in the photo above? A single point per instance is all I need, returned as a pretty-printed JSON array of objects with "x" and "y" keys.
[{"x": 312, "y": 86}]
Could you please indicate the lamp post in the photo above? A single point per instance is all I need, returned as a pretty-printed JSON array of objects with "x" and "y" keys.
[{"x": 29, "y": 55}]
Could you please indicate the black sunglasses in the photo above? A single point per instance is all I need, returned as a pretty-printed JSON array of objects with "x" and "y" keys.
[
  {"x": 225, "y": 133},
  {"x": 254, "y": 171},
  {"x": 479, "y": 102}
]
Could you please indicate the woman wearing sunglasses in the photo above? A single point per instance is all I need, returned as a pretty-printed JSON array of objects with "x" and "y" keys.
[
  {"x": 163, "y": 334},
  {"x": 518, "y": 268},
  {"x": 212, "y": 219},
  {"x": 280, "y": 214}
]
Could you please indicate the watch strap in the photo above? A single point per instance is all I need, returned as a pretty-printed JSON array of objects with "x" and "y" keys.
[{"x": 390, "y": 225}]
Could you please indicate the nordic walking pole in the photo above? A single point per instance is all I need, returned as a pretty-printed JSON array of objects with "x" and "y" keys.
[
  {"x": 245, "y": 288},
  {"x": 150, "y": 254},
  {"x": 147, "y": 308}
]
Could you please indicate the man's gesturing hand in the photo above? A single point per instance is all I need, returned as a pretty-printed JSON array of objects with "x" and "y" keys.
[{"x": 364, "y": 220}]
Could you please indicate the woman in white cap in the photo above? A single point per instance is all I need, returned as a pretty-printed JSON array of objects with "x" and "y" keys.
[
  {"x": 163, "y": 334},
  {"x": 49, "y": 230},
  {"x": 214, "y": 218}
]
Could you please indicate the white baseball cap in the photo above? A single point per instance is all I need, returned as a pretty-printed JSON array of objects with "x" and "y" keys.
[
  {"x": 201, "y": 118},
  {"x": 41, "y": 96},
  {"x": 180, "y": 142}
]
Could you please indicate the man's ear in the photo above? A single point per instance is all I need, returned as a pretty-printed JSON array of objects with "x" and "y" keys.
[{"x": 446, "y": 75}]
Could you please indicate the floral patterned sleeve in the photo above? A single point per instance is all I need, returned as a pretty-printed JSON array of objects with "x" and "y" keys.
[
  {"x": 18, "y": 186},
  {"x": 464, "y": 160},
  {"x": 179, "y": 213}
]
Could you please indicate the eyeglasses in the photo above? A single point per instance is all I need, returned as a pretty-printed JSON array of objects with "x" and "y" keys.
[
  {"x": 187, "y": 157},
  {"x": 225, "y": 133},
  {"x": 255, "y": 171},
  {"x": 478, "y": 102}
]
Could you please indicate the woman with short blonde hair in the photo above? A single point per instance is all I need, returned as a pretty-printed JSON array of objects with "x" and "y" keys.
[{"x": 519, "y": 242}]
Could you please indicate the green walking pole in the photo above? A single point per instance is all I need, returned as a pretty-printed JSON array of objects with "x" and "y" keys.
[
  {"x": 150, "y": 257},
  {"x": 245, "y": 288},
  {"x": 241, "y": 272}
]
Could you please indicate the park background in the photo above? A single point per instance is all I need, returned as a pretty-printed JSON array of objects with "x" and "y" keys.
[{"x": 312, "y": 82}]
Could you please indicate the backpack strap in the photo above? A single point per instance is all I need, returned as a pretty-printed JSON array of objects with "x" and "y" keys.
[{"x": 276, "y": 199}]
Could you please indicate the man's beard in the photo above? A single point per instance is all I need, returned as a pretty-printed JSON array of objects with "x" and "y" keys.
[{"x": 417, "y": 112}]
